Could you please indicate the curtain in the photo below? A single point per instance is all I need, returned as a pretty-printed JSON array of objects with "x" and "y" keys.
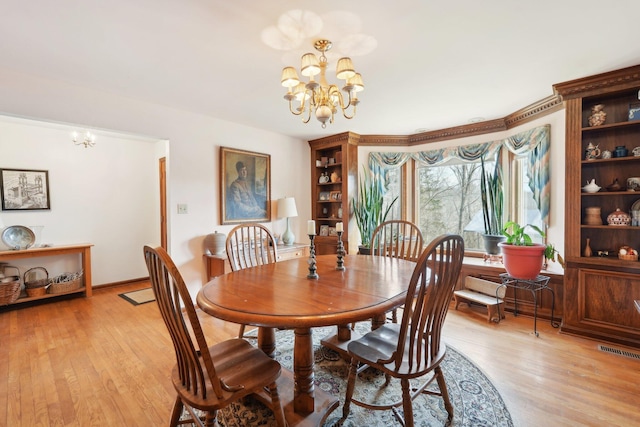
[{"x": 535, "y": 142}]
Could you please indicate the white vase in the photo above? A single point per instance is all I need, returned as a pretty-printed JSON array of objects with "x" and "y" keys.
[{"x": 214, "y": 243}]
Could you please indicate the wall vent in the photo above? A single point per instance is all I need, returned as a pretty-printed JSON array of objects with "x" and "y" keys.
[{"x": 618, "y": 351}]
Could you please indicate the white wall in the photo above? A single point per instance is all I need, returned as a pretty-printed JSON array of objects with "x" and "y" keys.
[
  {"x": 193, "y": 168},
  {"x": 557, "y": 157},
  {"x": 105, "y": 195}
]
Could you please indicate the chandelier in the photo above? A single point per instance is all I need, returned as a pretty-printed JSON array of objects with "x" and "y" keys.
[
  {"x": 88, "y": 140},
  {"x": 320, "y": 96}
]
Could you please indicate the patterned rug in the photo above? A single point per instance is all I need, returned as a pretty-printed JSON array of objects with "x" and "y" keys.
[{"x": 475, "y": 400}]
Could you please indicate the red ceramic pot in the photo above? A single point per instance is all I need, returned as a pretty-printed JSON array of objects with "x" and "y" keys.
[{"x": 522, "y": 262}]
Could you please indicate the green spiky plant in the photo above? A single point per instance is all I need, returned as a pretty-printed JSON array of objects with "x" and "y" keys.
[
  {"x": 369, "y": 208},
  {"x": 516, "y": 235},
  {"x": 492, "y": 195}
]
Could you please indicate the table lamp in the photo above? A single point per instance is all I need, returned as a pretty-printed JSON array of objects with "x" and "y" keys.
[{"x": 287, "y": 209}]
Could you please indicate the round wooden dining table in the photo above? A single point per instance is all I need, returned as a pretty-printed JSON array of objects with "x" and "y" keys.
[{"x": 280, "y": 295}]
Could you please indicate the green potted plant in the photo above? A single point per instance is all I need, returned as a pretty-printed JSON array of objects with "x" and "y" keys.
[
  {"x": 492, "y": 195},
  {"x": 369, "y": 208},
  {"x": 522, "y": 258}
]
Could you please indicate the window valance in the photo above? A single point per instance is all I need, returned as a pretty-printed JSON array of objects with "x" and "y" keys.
[{"x": 534, "y": 143}]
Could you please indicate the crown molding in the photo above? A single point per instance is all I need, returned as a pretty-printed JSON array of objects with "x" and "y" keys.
[
  {"x": 545, "y": 106},
  {"x": 536, "y": 110},
  {"x": 622, "y": 79}
]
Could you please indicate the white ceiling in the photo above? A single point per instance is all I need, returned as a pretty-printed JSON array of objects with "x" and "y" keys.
[{"x": 437, "y": 64}]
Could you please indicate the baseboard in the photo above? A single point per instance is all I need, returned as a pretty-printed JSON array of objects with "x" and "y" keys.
[{"x": 122, "y": 283}]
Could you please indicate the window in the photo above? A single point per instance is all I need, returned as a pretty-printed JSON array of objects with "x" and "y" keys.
[
  {"x": 448, "y": 200},
  {"x": 393, "y": 189},
  {"x": 439, "y": 189},
  {"x": 525, "y": 210}
]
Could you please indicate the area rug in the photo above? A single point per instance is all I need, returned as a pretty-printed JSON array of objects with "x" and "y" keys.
[
  {"x": 475, "y": 400},
  {"x": 141, "y": 296}
]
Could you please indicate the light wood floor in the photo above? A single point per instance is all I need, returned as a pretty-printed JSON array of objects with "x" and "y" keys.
[{"x": 104, "y": 362}]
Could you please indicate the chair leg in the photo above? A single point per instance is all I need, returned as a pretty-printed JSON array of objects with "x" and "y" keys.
[
  {"x": 407, "y": 402},
  {"x": 276, "y": 405},
  {"x": 210, "y": 419},
  {"x": 241, "y": 333},
  {"x": 351, "y": 382},
  {"x": 176, "y": 412},
  {"x": 445, "y": 393}
]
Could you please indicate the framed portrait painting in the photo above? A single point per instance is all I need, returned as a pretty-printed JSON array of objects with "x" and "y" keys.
[
  {"x": 24, "y": 189},
  {"x": 245, "y": 186}
]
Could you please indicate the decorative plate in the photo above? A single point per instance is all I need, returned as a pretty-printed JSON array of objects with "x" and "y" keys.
[{"x": 18, "y": 237}]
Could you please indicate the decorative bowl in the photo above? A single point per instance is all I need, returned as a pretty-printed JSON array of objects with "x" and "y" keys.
[{"x": 618, "y": 218}]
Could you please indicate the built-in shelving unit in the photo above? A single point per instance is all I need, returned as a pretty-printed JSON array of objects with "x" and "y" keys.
[
  {"x": 333, "y": 184},
  {"x": 600, "y": 290}
]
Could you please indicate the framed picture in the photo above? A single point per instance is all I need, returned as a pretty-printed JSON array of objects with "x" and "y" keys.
[
  {"x": 245, "y": 186},
  {"x": 324, "y": 196},
  {"x": 324, "y": 230},
  {"x": 24, "y": 189},
  {"x": 335, "y": 196},
  {"x": 332, "y": 231}
]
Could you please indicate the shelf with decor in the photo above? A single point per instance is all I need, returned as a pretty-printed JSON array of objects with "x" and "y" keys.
[
  {"x": 333, "y": 176},
  {"x": 82, "y": 285},
  {"x": 602, "y": 146}
]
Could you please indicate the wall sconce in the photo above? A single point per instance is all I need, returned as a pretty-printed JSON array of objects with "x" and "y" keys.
[{"x": 88, "y": 140}]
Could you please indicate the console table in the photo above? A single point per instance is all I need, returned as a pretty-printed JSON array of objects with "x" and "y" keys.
[
  {"x": 217, "y": 265},
  {"x": 84, "y": 250},
  {"x": 534, "y": 286}
]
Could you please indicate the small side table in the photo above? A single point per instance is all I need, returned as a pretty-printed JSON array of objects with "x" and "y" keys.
[{"x": 534, "y": 286}]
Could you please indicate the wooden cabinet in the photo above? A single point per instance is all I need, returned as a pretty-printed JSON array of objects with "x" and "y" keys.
[
  {"x": 83, "y": 251},
  {"x": 334, "y": 164},
  {"x": 217, "y": 265},
  {"x": 599, "y": 290}
]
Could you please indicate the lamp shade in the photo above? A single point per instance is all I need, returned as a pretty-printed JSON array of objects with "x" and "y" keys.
[
  {"x": 289, "y": 77},
  {"x": 356, "y": 82},
  {"x": 287, "y": 208},
  {"x": 344, "y": 69},
  {"x": 310, "y": 65}
]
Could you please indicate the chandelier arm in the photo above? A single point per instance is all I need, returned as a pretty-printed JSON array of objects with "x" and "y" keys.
[
  {"x": 346, "y": 116},
  {"x": 308, "y": 109},
  {"x": 295, "y": 113},
  {"x": 333, "y": 90}
]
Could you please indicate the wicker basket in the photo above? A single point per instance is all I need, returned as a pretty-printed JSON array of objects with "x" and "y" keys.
[
  {"x": 60, "y": 284},
  {"x": 36, "y": 292},
  {"x": 628, "y": 257},
  {"x": 36, "y": 283},
  {"x": 9, "y": 291}
]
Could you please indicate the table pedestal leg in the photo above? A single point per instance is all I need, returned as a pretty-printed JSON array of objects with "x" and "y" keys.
[
  {"x": 267, "y": 341},
  {"x": 303, "y": 371}
]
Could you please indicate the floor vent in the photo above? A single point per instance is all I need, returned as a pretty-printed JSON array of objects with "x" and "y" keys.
[{"x": 618, "y": 351}]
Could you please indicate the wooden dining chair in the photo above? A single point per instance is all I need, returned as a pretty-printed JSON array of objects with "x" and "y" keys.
[
  {"x": 207, "y": 378},
  {"x": 412, "y": 349},
  {"x": 398, "y": 239},
  {"x": 249, "y": 245}
]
